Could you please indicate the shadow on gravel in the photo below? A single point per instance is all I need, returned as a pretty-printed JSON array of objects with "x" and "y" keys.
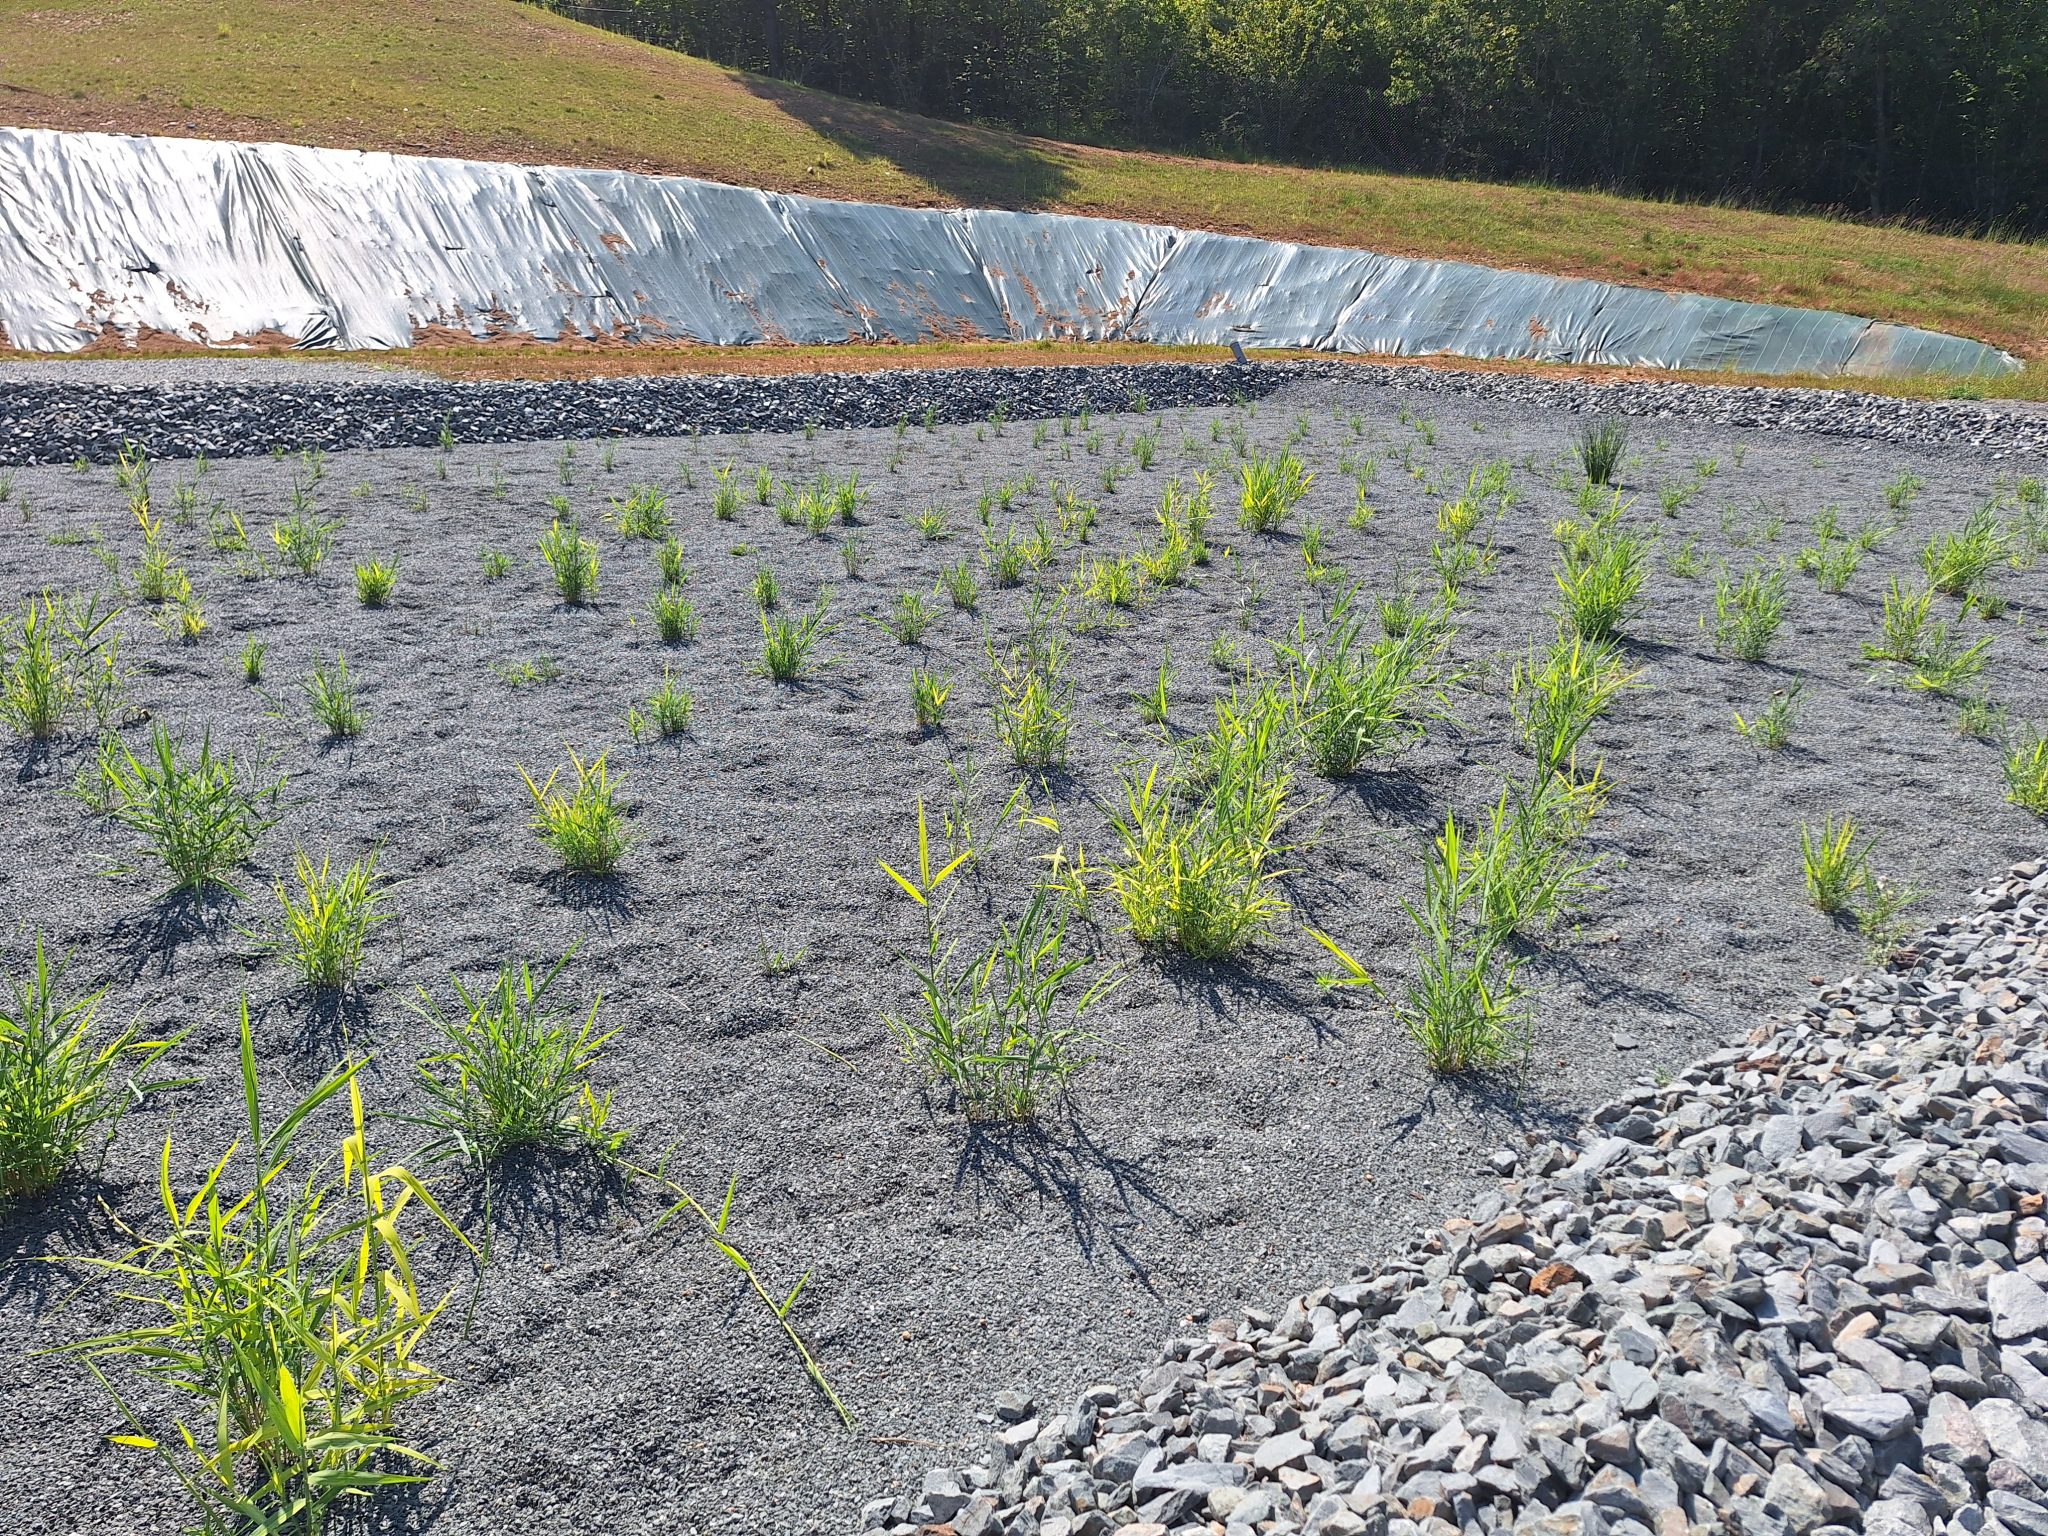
[
  {"x": 532, "y": 1201},
  {"x": 604, "y": 899},
  {"x": 1499, "y": 1100},
  {"x": 154, "y": 933},
  {"x": 1226, "y": 987},
  {"x": 67, "y": 1219},
  {"x": 1103, "y": 1196},
  {"x": 321, "y": 1023},
  {"x": 1395, "y": 796},
  {"x": 1603, "y": 986}
]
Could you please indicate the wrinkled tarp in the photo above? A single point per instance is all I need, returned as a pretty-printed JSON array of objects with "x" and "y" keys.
[{"x": 224, "y": 243}]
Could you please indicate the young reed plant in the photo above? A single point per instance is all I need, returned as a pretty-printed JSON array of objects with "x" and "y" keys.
[
  {"x": 788, "y": 644},
  {"x": 665, "y": 713},
  {"x": 584, "y": 822},
  {"x": 1200, "y": 844},
  {"x": 196, "y": 812},
  {"x": 642, "y": 513},
  {"x": 325, "y": 918},
  {"x": 1465, "y": 1008},
  {"x": 1034, "y": 701},
  {"x": 1771, "y": 728},
  {"x": 573, "y": 561},
  {"x": 2026, "y": 771},
  {"x": 1957, "y": 561},
  {"x": 1836, "y": 859},
  {"x": 331, "y": 696},
  {"x": 1904, "y": 626},
  {"x": 1270, "y": 488},
  {"x": 278, "y": 1302},
  {"x": 1557, "y": 697},
  {"x": 1603, "y": 589},
  {"x": 671, "y": 563},
  {"x": 304, "y": 541},
  {"x": 59, "y": 665},
  {"x": 1528, "y": 873},
  {"x": 1748, "y": 611},
  {"x": 374, "y": 581},
  {"x": 908, "y": 618},
  {"x": 929, "y": 691},
  {"x": 675, "y": 617},
  {"x": 513, "y": 1071},
  {"x": 65, "y": 1082},
  {"x": 1356, "y": 697}
]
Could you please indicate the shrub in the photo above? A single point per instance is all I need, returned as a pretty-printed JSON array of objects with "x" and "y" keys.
[
  {"x": 995, "y": 1030},
  {"x": 1356, "y": 699},
  {"x": 675, "y": 617},
  {"x": 1602, "y": 592},
  {"x": 1747, "y": 613},
  {"x": 325, "y": 918},
  {"x": 197, "y": 815},
  {"x": 331, "y": 693},
  {"x": 514, "y": 1072},
  {"x": 929, "y": 691},
  {"x": 786, "y": 644},
  {"x": 285, "y": 1309},
  {"x": 1837, "y": 865},
  {"x": 1198, "y": 851},
  {"x": 1271, "y": 487},
  {"x": 2026, "y": 772},
  {"x": 59, "y": 659},
  {"x": 666, "y": 712},
  {"x": 573, "y": 560},
  {"x": 585, "y": 826},
  {"x": 374, "y": 581},
  {"x": 1556, "y": 700},
  {"x": 1600, "y": 447},
  {"x": 62, "y": 1092}
]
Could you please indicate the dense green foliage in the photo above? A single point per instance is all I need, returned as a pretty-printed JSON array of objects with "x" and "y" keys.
[{"x": 1880, "y": 106}]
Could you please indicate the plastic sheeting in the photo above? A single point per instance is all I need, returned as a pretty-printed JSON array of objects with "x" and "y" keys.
[{"x": 224, "y": 243}]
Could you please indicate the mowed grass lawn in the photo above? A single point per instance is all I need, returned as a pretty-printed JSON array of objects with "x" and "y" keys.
[{"x": 498, "y": 79}]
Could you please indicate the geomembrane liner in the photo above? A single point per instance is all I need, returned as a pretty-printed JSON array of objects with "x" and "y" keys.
[{"x": 224, "y": 243}]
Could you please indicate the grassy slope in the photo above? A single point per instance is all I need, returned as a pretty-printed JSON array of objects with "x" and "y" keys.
[{"x": 494, "y": 78}]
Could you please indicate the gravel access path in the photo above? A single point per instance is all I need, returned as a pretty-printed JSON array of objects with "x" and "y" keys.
[{"x": 1801, "y": 1287}]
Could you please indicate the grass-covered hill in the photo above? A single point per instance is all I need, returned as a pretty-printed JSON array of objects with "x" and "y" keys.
[{"x": 497, "y": 79}]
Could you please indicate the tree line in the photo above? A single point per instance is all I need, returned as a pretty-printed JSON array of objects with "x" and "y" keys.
[{"x": 1929, "y": 109}]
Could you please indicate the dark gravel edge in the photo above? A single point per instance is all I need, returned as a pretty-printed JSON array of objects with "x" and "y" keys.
[{"x": 66, "y": 419}]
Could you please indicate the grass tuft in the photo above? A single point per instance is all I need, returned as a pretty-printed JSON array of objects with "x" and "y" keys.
[{"x": 584, "y": 825}]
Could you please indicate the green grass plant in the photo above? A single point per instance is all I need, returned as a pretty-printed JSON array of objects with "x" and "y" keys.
[
  {"x": 59, "y": 664},
  {"x": 584, "y": 824},
  {"x": 787, "y": 643},
  {"x": 325, "y": 918},
  {"x": 2026, "y": 771},
  {"x": 331, "y": 695},
  {"x": 63, "y": 1087},
  {"x": 929, "y": 691},
  {"x": 642, "y": 513},
  {"x": 572, "y": 560},
  {"x": 199, "y": 817},
  {"x": 1600, "y": 447},
  {"x": 1836, "y": 859},
  {"x": 1748, "y": 611},
  {"x": 675, "y": 617},
  {"x": 665, "y": 713},
  {"x": 1356, "y": 698},
  {"x": 374, "y": 581},
  {"x": 1557, "y": 697},
  {"x": 1271, "y": 485}
]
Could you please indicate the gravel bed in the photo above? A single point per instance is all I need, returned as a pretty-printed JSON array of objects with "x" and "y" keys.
[
  {"x": 1242, "y": 1135},
  {"x": 1799, "y": 1288},
  {"x": 55, "y": 412}
]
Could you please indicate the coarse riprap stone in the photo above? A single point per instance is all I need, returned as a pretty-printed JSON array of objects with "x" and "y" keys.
[{"x": 1800, "y": 1289}]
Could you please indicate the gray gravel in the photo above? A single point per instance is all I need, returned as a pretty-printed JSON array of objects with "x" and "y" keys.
[
  {"x": 55, "y": 411},
  {"x": 1243, "y": 1135},
  {"x": 1799, "y": 1288}
]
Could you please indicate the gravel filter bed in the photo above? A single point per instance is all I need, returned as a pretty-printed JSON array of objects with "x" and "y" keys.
[
  {"x": 1243, "y": 1133},
  {"x": 1801, "y": 1287},
  {"x": 53, "y": 413}
]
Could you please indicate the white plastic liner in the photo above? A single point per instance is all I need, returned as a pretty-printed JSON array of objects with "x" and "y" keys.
[{"x": 223, "y": 243}]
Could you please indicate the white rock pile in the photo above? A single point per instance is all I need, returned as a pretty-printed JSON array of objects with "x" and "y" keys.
[{"x": 1800, "y": 1289}]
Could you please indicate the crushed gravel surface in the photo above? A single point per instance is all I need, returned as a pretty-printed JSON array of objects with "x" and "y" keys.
[
  {"x": 52, "y": 412},
  {"x": 1801, "y": 1286},
  {"x": 1244, "y": 1136}
]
